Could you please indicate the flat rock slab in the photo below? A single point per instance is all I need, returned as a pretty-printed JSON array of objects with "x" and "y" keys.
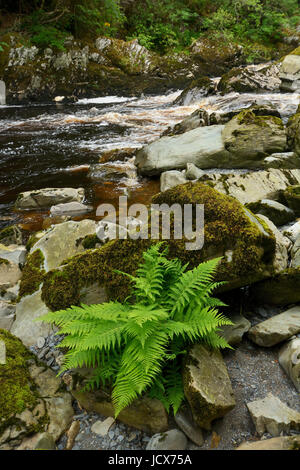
[
  {"x": 276, "y": 443},
  {"x": 185, "y": 422},
  {"x": 48, "y": 197},
  {"x": 170, "y": 440},
  {"x": 273, "y": 416},
  {"x": 70, "y": 209},
  {"x": 207, "y": 385},
  {"x": 102, "y": 427},
  {"x": 289, "y": 359},
  {"x": 276, "y": 329}
]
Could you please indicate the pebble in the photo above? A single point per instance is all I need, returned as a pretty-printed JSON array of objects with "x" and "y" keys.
[
  {"x": 40, "y": 342},
  {"x": 111, "y": 434}
]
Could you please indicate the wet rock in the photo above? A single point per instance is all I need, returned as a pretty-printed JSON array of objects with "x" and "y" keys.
[
  {"x": 273, "y": 416},
  {"x": 70, "y": 208},
  {"x": 289, "y": 359},
  {"x": 198, "y": 89},
  {"x": 276, "y": 443},
  {"x": 290, "y": 72},
  {"x": 13, "y": 253},
  {"x": 250, "y": 79},
  {"x": 185, "y": 422},
  {"x": 234, "y": 333},
  {"x": 198, "y": 118},
  {"x": 117, "y": 155},
  {"x": 276, "y": 329},
  {"x": 171, "y": 178},
  {"x": 102, "y": 427},
  {"x": 48, "y": 197},
  {"x": 207, "y": 386},
  {"x": 170, "y": 440},
  {"x": 276, "y": 212},
  {"x": 111, "y": 172}
]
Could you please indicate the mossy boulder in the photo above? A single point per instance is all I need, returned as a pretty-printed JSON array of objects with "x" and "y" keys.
[
  {"x": 11, "y": 236},
  {"x": 248, "y": 247},
  {"x": 30, "y": 395},
  {"x": 276, "y": 212},
  {"x": 281, "y": 289},
  {"x": 292, "y": 197},
  {"x": 293, "y": 133}
]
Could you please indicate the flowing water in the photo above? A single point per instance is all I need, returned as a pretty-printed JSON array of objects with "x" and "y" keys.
[{"x": 57, "y": 145}]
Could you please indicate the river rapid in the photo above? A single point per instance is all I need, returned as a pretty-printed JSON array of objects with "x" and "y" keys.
[{"x": 57, "y": 145}]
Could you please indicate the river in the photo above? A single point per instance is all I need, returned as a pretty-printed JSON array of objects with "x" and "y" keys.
[{"x": 57, "y": 145}]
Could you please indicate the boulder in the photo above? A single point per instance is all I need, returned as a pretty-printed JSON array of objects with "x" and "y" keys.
[
  {"x": 207, "y": 385},
  {"x": 283, "y": 245},
  {"x": 170, "y": 440},
  {"x": 33, "y": 400},
  {"x": 293, "y": 133},
  {"x": 276, "y": 329},
  {"x": 250, "y": 187},
  {"x": 197, "y": 89},
  {"x": 70, "y": 208},
  {"x": 291, "y": 196},
  {"x": 233, "y": 334},
  {"x": 276, "y": 443},
  {"x": 44, "y": 198},
  {"x": 273, "y": 416},
  {"x": 169, "y": 179},
  {"x": 276, "y": 212},
  {"x": 192, "y": 172},
  {"x": 198, "y": 118},
  {"x": 289, "y": 359},
  {"x": 281, "y": 289},
  {"x": 117, "y": 155},
  {"x": 283, "y": 160},
  {"x": 14, "y": 253},
  {"x": 250, "y": 79},
  {"x": 292, "y": 232},
  {"x": 11, "y": 236},
  {"x": 290, "y": 72}
]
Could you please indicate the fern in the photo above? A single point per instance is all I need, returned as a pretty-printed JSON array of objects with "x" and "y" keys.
[{"x": 137, "y": 347}]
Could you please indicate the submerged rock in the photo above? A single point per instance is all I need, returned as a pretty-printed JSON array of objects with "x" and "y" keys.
[
  {"x": 207, "y": 386},
  {"x": 44, "y": 198}
]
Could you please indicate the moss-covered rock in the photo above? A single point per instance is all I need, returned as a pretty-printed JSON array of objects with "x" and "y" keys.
[
  {"x": 33, "y": 273},
  {"x": 293, "y": 133},
  {"x": 281, "y": 289},
  {"x": 292, "y": 197},
  {"x": 247, "y": 80},
  {"x": 11, "y": 236},
  {"x": 247, "y": 245}
]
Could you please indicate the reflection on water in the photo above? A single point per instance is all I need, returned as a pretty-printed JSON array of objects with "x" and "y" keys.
[{"x": 58, "y": 145}]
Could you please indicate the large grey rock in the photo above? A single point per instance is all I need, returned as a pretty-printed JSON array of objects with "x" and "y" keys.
[
  {"x": 170, "y": 440},
  {"x": 283, "y": 160},
  {"x": 70, "y": 208},
  {"x": 291, "y": 231},
  {"x": 15, "y": 253},
  {"x": 234, "y": 333},
  {"x": 289, "y": 359},
  {"x": 185, "y": 422},
  {"x": 276, "y": 212},
  {"x": 252, "y": 186},
  {"x": 290, "y": 73},
  {"x": 250, "y": 79},
  {"x": 171, "y": 178},
  {"x": 207, "y": 386},
  {"x": 273, "y": 416},
  {"x": 48, "y": 197},
  {"x": 276, "y": 329}
]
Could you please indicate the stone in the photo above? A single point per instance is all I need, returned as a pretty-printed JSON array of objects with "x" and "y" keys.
[
  {"x": 10, "y": 274},
  {"x": 197, "y": 89},
  {"x": 60, "y": 412},
  {"x": 45, "y": 441},
  {"x": 171, "y": 178},
  {"x": 112, "y": 172},
  {"x": 292, "y": 198},
  {"x": 273, "y": 416},
  {"x": 185, "y": 422},
  {"x": 295, "y": 253},
  {"x": 290, "y": 73},
  {"x": 233, "y": 334},
  {"x": 2, "y": 352},
  {"x": 276, "y": 443},
  {"x": 7, "y": 315},
  {"x": 2, "y": 93},
  {"x": 281, "y": 289},
  {"x": 11, "y": 236},
  {"x": 289, "y": 359},
  {"x": 198, "y": 118},
  {"x": 48, "y": 197},
  {"x": 277, "y": 328},
  {"x": 292, "y": 231},
  {"x": 170, "y": 440},
  {"x": 283, "y": 160},
  {"x": 70, "y": 208},
  {"x": 250, "y": 79},
  {"x": 14, "y": 253},
  {"x": 40, "y": 342},
  {"x": 276, "y": 212},
  {"x": 207, "y": 386},
  {"x": 192, "y": 172},
  {"x": 102, "y": 427},
  {"x": 11, "y": 293},
  {"x": 250, "y": 187},
  {"x": 282, "y": 248}
]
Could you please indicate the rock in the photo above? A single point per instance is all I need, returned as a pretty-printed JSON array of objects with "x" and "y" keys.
[
  {"x": 117, "y": 155},
  {"x": 2, "y": 93},
  {"x": 145, "y": 413},
  {"x": 295, "y": 253},
  {"x": 273, "y": 416},
  {"x": 285, "y": 160},
  {"x": 102, "y": 427},
  {"x": 289, "y": 359},
  {"x": 170, "y": 440},
  {"x": 293, "y": 133},
  {"x": 14, "y": 253},
  {"x": 234, "y": 333},
  {"x": 186, "y": 423},
  {"x": 11, "y": 236},
  {"x": 40, "y": 342},
  {"x": 222, "y": 117},
  {"x": 171, "y": 178},
  {"x": 207, "y": 386},
  {"x": 242, "y": 143},
  {"x": 292, "y": 231},
  {"x": 10, "y": 274},
  {"x": 72, "y": 434},
  {"x": 276, "y": 212},
  {"x": 276, "y": 329},
  {"x": 192, "y": 172},
  {"x": 281, "y": 289},
  {"x": 7, "y": 315},
  {"x": 111, "y": 172},
  {"x": 276, "y": 443},
  {"x": 70, "y": 208},
  {"x": 250, "y": 79},
  {"x": 290, "y": 72},
  {"x": 198, "y": 89},
  {"x": 198, "y": 118},
  {"x": 45, "y": 442},
  {"x": 10, "y": 294},
  {"x": 252, "y": 186},
  {"x": 48, "y": 197},
  {"x": 291, "y": 195}
]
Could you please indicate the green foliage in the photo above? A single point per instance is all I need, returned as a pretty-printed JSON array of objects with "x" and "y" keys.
[
  {"x": 2, "y": 45},
  {"x": 138, "y": 346},
  {"x": 48, "y": 36}
]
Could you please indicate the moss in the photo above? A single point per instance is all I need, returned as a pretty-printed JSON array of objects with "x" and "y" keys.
[
  {"x": 33, "y": 274},
  {"x": 227, "y": 227},
  {"x": 248, "y": 117},
  {"x": 90, "y": 241},
  {"x": 17, "y": 389},
  {"x": 4, "y": 261},
  {"x": 31, "y": 242},
  {"x": 7, "y": 232},
  {"x": 292, "y": 198}
]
